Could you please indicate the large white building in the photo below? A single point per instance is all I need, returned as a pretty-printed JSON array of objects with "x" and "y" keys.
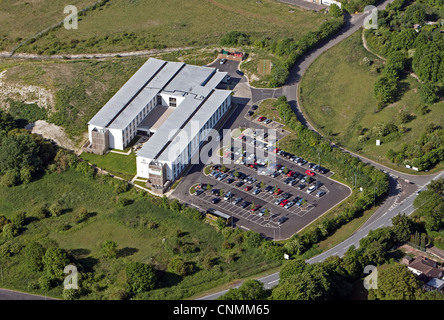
[{"x": 171, "y": 102}]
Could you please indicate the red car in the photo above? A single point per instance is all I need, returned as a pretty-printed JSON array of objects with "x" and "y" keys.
[
  {"x": 283, "y": 203},
  {"x": 248, "y": 188},
  {"x": 255, "y": 208},
  {"x": 289, "y": 174},
  {"x": 260, "y": 119},
  {"x": 227, "y": 154},
  {"x": 276, "y": 150},
  {"x": 309, "y": 172},
  {"x": 278, "y": 192}
]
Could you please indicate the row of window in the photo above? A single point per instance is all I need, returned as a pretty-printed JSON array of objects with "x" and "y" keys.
[
  {"x": 130, "y": 131},
  {"x": 178, "y": 165}
]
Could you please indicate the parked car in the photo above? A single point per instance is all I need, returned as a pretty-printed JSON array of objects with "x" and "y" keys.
[
  {"x": 222, "y": 61},
  {"x": 278, "y": 191},
  {"x": 228, "y": 195},
  {"x": 255, "y": 208},
  {"x": 269, "y": 188},
  {"x": 245, "y": 204},
  {"x": 237, "y": 200},
  {"x": 311, "y": 189},
  {"x": 257, "y": 191},
  {"x": 262, "y": 211},
  {"x": 267, "y": 121},
  {"x": 282, "y": 220},
  {"x": 215, "y": 200},
  {"x": 309, "y": 172},
  {"x": 250, "y": 113},
  {"x": 320, "y": 194},
  {"x": 260, "y": 119},
  {"x": 198, "y": 192},
  {"x": 254, "y": 107},
  {"x": 301, "y": 186},
  {"x": 284, "y": 202},
  {"x": 230, "y": 180},
  {"x": 239, "y": 184},
  {"x": 248, "y": 188},
  {"x": 286, "y": 195},
  {"x": 289, "y": 205},
  {"x": 215, "y": 191},
  {"x": 222, "y": 176},
  {"x": 299, "y": 202},
  {"x": 278, "y": 201}
]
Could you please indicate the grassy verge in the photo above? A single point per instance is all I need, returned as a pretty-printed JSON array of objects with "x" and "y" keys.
[
  {"x": 336, "y": 95},
  {"x": 120, "y": 165}
]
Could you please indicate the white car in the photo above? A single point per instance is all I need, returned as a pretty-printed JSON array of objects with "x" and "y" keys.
[{"x": 311, "y": 189}]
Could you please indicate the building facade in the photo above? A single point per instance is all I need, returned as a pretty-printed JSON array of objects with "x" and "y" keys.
[{"x": 172, "y": 103}]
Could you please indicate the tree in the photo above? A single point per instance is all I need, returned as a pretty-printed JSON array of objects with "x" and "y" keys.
[
  {"x": 396, "y": 282},
  {"x": 9, "y": 231},
  {"x": 336, "y": 11},
  {"x": 18, "y": 219},
  {"x": 109, "y": 249},
  {"x": 54, "y": 262},
  {"x": 291, "y": 267},
  {"x": 180, "y": 267},
  {"x": 415, "y": 14},
  {"x": 302, "y": 286},
  {"x": 249, "y": 290},
  {"x": 402, "y": 227},
  {"x": 55, "y": 209},
  {"x": 385, "y": 89},
  {"x": 254, "y": 239},
  {"x": 403, "y": 40},
  {"x": 141, "y": 277},
  {"x": 18, "y": 152},
  {"x": 34, "y": 253},
  {"x": 427, "y": 92}
]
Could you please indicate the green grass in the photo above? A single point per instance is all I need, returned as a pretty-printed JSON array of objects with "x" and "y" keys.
[
  {"x": 336, "y": 95},
  {"x": 123, "y": 25},
  {"x": 20, "y": 20},
  {"x": 117, "y": 164},
  {"x": 80, "y": 88},
  {"x": 128, "y": 227},
  {"x": 250, "y": 67}
]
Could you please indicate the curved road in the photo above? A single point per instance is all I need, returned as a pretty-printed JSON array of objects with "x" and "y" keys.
[{"x": 403, "y": 187}]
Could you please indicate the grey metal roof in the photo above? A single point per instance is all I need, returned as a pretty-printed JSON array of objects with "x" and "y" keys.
[
  {"x": 126, "y": 93},
  {"x": 169, "y": 128},
  {"x": 192, "y": 127}
]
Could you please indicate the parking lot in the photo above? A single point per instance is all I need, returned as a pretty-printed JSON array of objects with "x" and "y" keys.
[
  {"x": 251, "y": 153},
  {"x": 278, "y": 192}
]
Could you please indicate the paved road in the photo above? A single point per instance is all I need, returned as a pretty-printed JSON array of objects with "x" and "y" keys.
[{"x": 16, "y": 295}]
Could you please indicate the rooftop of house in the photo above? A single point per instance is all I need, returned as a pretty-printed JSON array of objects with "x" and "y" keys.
[{"x": 426, "y": 266}]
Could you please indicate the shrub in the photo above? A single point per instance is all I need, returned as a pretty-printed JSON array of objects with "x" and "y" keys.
[
  {"x": 141, "y": 277},
  {"x": 55, "y": 209}
]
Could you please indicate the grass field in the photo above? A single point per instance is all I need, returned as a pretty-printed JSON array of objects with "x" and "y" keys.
[
  {"x": 129, "y": 227},
  {"x": 20, "y": 19},
  {"x": 336, "y": 95},
  {"x": 123, "y": 166},
  {"x": 123, "y": 25},
  {"x": 79, "y": 88}
]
